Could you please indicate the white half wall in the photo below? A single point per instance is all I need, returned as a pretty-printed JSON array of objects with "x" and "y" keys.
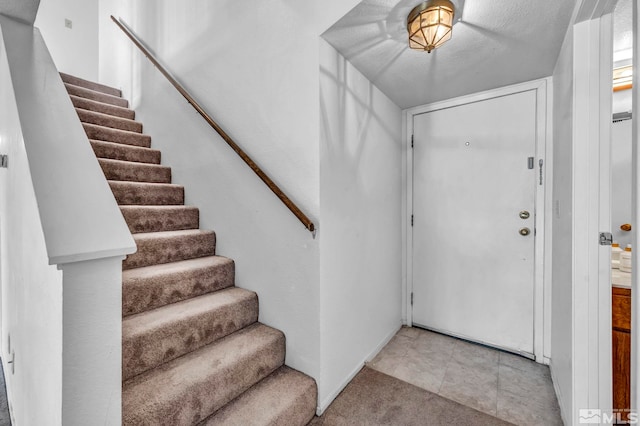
[
  {"x": 31, "y": 288},
  {"x": 55, "y": 208},
  {"x": 74, "y": 50},
  {"x": 360, "y": 207}
]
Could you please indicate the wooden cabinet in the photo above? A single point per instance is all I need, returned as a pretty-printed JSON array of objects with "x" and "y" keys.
[{"x": 621, "y": 321}]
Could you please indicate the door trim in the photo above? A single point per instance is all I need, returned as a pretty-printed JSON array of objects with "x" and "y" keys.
[
  {"x": 635, "y": 306},
  {"x": 544, "y": 150}
]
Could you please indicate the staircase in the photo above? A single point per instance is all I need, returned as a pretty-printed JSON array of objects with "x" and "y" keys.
[{"x": 193, "y": 352}]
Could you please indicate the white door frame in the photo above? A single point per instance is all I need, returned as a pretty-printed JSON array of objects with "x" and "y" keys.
[
  {"x": 544, "y": 151},
  {"x": 591, "y": 269},
  {"x": 635, "y": 283}
]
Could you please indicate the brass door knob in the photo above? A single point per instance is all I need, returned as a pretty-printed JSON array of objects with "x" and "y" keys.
[
  {"x": 626, "y": 227},
  {"x": 525, "y": 231}
]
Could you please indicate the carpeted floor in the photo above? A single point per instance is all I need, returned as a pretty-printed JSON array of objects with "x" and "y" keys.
[{"x": 374, "y": 398}]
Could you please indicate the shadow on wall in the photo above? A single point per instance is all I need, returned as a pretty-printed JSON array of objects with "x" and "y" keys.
[
  {"x": 360, "y": 207},
  {"x": 366, "y": 104}
]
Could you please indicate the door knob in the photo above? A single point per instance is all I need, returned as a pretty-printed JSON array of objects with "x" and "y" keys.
[
  {"x": 525, "y": 231},
  {"x": 524, "y": 214}
]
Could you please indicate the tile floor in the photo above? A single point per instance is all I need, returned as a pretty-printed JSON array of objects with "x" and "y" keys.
[{"x": 507, "y": 386}]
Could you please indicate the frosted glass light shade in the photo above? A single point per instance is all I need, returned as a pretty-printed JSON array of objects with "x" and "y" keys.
[{"x": 429, "y": 24}]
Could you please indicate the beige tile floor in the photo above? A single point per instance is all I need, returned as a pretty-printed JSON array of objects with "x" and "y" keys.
[{"x": 507, "y": 386}]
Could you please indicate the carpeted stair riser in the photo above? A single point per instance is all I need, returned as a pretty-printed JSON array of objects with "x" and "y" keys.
[
  {"x": 135, "y": 172},
  {"x": 105, "y": 120},
  {"x": 77, "y": 81},
  {"x": 96, "y": 96},
  {"x": 192, "y": 350},
  {"x": 159, "y": 285},
  {"x": 136, "y": 193},
  {"x": 160, "y": 218},
  {"x": 118, "y": 151},
  {"x": 161, "y": 335},
  {"x": 188, "y": 389},
  {"x": 172, "y": 246},
  {"x": 285, "y": 397},
  {"x": 108, "y": 109},
  {"x": 102, "y": 133}
]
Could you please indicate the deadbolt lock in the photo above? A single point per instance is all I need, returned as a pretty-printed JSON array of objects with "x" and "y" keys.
[
  {"x": 525, "y": 231},
  {"x": 524, "y": 214}
]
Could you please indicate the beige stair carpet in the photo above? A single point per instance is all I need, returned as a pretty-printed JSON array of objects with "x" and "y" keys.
[{"x": 192, "y": 349}]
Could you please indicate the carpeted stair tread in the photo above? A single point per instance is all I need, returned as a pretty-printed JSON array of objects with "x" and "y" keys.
[
  {"x": 118, "y": 151},
  {"x": 188, "y": 389},
  {"x": 128, "y": 193},
  {"x": 158, "y": 285},
  {"x": 285, "y": 397},
  {"x": 98, "y": 87},
  {"x": 192, "y": 349},
  {"x": 160, "y": 335},
  {"x": 82, "y": 92},
  {"x": 97, "y": 106},
  {"x": 160, "y": 218},
  {"x": 171, "y": 246},
  {"x": 108, "y": 134},
  {"x": 105, "y": 120},
  {"x": 134, "y": 172}
]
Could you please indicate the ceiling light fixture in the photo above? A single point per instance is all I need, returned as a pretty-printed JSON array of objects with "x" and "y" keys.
[{"x": 429, "y": 24}]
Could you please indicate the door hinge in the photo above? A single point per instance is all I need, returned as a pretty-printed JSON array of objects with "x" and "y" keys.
[
  {"x": 606, "y": 238},
  {"x": 541, "y": 163},
  {"x": 4, "y": 161},
  {"x": 411, "y": 220},
  {"x": 411, "y": 299},
  {"x": 411, "y": 141}
]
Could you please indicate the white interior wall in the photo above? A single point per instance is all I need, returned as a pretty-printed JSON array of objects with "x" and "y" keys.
[
  {"x": 562, "y": 292},
  {"x": 74, "y": 50},
  {"x": 621, "y": 181},
  {"x": 22, "y": 10},
  {"x": 621, "y": 169},
  {"x": 622, "y": 101},
  {"x": 31, "y": 288},
  {"x": 360, "y": 202}
]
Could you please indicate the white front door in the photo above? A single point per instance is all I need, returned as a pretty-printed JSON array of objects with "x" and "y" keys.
[{"x": 475, "y": 177}]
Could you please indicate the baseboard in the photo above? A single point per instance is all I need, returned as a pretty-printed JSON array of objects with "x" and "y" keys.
[
  {"x": 558, "y": 393},
  {"x": 323, "y": 405}
]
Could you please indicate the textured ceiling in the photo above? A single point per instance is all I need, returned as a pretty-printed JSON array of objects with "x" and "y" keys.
[
  {"x": 22, "y": 10},
  {"x": 623, "y": 32},
  {"x": 497, "y": 43}
]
